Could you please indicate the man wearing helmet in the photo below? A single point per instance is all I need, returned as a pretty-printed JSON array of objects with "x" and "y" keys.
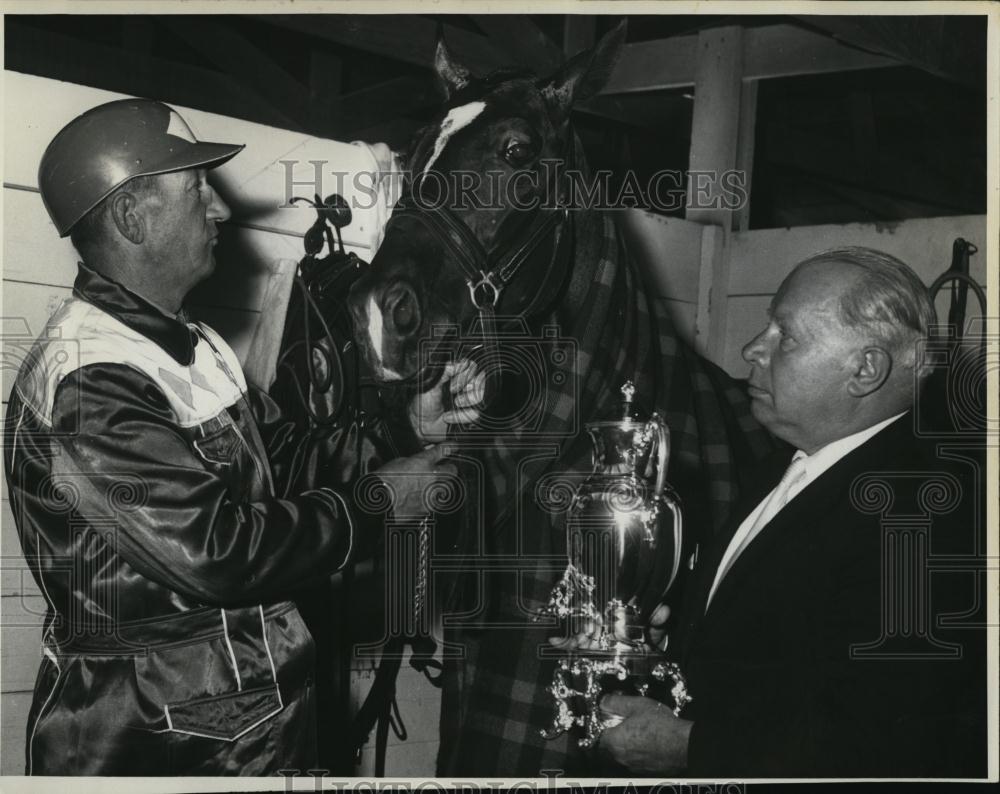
[{"x": 148, "y": 484}]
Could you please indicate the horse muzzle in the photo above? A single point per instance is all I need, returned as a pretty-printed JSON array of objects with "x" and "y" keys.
[{"x": 387, "y": 321}]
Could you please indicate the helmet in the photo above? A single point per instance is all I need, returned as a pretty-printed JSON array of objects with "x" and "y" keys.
[{"x": 107, "y": 146}]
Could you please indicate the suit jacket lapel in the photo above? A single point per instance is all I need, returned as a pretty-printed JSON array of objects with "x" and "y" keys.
[
  {"x": 710, "y": 556},
  {"x": 815, "y": 499}
]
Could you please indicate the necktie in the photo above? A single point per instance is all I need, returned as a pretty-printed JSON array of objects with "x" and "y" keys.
[{"x": 777, "y": 499}]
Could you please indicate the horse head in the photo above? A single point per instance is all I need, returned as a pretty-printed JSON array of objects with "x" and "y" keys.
[{"x": 481, "y": 229}]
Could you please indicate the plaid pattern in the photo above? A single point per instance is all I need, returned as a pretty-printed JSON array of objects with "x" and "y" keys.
[{"x": 494, "y": 701}]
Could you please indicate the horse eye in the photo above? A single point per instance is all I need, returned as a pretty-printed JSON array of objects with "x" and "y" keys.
[{"x": 517, "y": 153}]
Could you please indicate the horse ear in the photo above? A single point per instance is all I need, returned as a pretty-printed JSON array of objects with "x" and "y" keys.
[
  {"x": 585, "y": 74},
  {"x": 452, "y": 76}
]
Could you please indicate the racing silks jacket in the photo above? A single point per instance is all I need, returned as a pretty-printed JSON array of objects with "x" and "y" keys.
[{"x": 143, "y": 476}]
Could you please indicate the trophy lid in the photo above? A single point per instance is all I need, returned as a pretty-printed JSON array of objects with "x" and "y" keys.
[{"x": 627, "y": 412}]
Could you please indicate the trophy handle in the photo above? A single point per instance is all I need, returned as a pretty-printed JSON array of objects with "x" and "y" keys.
[
  {"x": 666, "y": 496},
  {"x": 662, "y": 453}
]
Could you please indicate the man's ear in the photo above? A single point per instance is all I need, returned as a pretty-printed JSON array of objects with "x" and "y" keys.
[
  {"x": 584, "y": 75},
  {"x": 871, "y": 373},
  {"x": 128, "y": 221}
]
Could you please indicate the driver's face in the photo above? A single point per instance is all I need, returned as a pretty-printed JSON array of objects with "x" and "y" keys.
[{"x": 183, "y": 213}]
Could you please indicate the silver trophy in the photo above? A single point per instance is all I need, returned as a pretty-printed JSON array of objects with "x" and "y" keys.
[{"x": 624, "y": 533}]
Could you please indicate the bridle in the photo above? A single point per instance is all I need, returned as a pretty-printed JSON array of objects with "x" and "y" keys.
[{"x": 488, "y": 273}]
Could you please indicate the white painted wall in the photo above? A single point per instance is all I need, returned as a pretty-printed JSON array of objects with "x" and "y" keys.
[{"x": 670, "y": 252}]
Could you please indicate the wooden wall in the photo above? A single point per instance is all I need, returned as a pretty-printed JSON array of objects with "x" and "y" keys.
[
  {"x": 671, "y": 252},
  {"x": 677, "y": 254}
]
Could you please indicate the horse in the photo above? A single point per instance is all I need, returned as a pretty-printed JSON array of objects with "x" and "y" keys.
[{"x": 493, "y": 253}]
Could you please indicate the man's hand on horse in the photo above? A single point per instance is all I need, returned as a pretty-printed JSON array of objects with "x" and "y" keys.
[
  {"x": 462, "y": 387},
  {"x": 590, "y": 638},
  {"x": 411, "y": 479}
]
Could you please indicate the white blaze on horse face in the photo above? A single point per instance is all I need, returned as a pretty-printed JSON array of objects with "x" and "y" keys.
[
  {"x": 375, "y": 338},
  {"x": 457, "y": 119}
]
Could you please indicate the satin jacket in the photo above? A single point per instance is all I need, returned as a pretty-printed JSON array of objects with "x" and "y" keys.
[{"x": 144, "y": 478}]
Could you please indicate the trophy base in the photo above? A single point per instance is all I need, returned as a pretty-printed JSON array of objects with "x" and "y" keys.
[{"x": 582, "y": 679}]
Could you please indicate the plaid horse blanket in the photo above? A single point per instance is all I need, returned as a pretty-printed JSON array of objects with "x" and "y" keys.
[{"x": 498, "y": 662}]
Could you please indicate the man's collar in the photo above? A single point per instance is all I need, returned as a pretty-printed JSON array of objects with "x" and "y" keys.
[
  {"x": 170, "y": 333},
  {"x": 824, "y": 457}
]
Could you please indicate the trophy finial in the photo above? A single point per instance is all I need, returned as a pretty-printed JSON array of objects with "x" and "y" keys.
[{"x": 628, "y": 391}]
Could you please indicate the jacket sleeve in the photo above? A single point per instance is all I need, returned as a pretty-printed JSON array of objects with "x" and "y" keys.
[
  {"x": 334, "y": 454},
  {"x": 131, "y": 473},
  {"x": 282, "y": 438}
]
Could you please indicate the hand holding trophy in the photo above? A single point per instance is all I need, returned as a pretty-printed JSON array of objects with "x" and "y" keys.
[{"x": 624, "y": 538}]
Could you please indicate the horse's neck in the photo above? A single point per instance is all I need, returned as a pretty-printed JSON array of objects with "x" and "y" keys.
[
  {"x": 595, "y": 246},
  {"x": 588, "y": 247}
]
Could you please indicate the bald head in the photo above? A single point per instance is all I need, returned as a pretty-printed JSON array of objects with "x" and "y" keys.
[
  {"x": 839, "y": 351},
  {"x": 883, "y": 299}
]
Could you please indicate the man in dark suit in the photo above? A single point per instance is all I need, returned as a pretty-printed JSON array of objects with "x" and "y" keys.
[{"x": 815, "y": 639}]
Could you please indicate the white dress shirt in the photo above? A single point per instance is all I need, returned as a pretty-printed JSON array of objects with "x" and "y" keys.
[{"x": 814, "y": 465}]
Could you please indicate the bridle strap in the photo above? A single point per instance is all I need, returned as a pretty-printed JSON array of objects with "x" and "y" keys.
[
  {"x": 487, "y": 274},
  {"x": 485, "y": 270}
]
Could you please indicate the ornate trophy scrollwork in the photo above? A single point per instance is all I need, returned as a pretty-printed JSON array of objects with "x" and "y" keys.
[{"x": 624, "y": 533}]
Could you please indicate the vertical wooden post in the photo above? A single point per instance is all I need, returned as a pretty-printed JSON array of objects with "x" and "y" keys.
[
  {"x": 715, "y": 138},
  {"x": 744, "y": 150}
]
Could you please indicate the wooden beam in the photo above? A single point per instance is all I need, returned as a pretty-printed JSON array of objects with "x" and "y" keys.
[
  {"x": 788, "y": 51},
  {"x": 655, "y": 65},
  {"x": 403, "y": 37},
  {"x": 579, "y": 33},
  {"x": 522, "y": 40},
  {"x": 746, "y": 144},
  {"x": 325, "y": 78},
  {"x": 665, "y": 111},
  {"x": 406, "y": 38},
  {"x": 384, "y": 102},
  {"x": 61, "y": 57},
  {"x": 715, "y": 120},
  {"x": 396, "y": 133},
  {"x": 235, "y": 54},
  {"x": 768, "y": 52},
  {"x": 949, "y": 46}
]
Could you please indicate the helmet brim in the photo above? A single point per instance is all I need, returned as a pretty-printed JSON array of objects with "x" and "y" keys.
[{"x": 202, "y": 154}]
